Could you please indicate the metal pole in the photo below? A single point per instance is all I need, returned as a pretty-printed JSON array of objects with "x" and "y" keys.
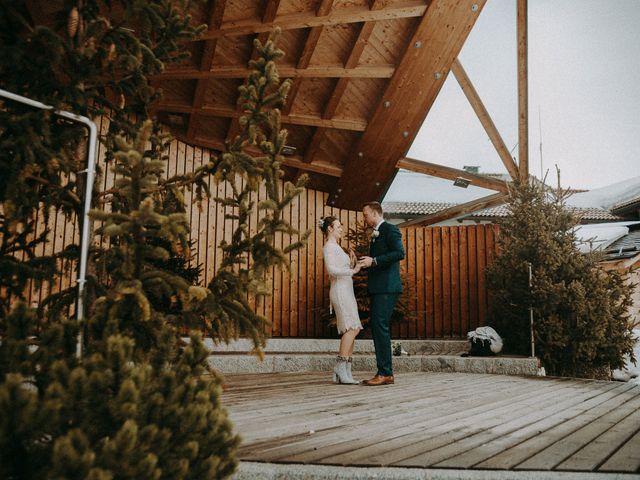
[
  {"x": 533, "y": 347},
  {"x": 91, "y": 172}
]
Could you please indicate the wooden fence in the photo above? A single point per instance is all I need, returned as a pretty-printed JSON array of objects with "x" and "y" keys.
[
  {"x": 444, "y": 272},
  {"x": 443, "y": 265}
]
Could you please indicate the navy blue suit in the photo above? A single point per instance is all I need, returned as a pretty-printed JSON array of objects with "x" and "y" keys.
[{"x": 385, "y": 286}]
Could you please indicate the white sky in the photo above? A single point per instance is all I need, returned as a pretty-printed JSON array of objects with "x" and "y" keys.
[{"x": 584, "y": 76}]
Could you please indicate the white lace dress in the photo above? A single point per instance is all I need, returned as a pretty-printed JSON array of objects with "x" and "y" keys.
[{"x": 341, "y": 294}]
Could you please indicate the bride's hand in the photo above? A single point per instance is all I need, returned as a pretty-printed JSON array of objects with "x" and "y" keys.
[
  {"x": 353, "y": 258},
  {"x": 357, "y": 268}
]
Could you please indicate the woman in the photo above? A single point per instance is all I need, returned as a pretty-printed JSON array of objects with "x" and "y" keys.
[{"x": 341, "y": 267}]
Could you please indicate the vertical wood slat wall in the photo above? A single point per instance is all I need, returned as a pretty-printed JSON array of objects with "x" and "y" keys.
[
  {"x": 443, "y": 264},
  {"x": 445, "y": 268}
]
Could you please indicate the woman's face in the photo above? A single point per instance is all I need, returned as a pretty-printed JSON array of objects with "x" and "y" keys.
[{"x": 336, "y": 228}]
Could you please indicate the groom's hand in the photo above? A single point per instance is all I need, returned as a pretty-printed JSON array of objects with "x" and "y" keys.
[{"x": 366, "y": 261}]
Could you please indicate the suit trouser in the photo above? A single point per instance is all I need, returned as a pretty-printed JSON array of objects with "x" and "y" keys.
[{"x": 382, "y": 305}]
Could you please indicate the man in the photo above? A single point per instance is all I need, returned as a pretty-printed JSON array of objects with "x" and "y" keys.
[{"x": 384, "y": 286}]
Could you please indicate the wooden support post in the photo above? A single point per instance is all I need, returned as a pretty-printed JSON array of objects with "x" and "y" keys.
[{"x": 523, "y": 100}]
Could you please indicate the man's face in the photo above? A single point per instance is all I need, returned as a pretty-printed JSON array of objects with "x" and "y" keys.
[{"x": 370, "y": 216}]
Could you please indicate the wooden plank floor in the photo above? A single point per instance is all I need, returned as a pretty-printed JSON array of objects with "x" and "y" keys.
[{"x": 439, "y": 420}]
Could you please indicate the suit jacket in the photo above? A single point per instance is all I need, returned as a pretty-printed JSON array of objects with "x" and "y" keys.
[{"x": 387, "y": 250}]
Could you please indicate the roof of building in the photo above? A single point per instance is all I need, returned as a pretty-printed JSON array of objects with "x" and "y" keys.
[
  {"x": 589, "y": 214},
  {"x": 415, "y": 208},
  {"x": 408, "y": 209},
  {"x": 609, "y": 197},
  {"x": 627, "y": 246}
]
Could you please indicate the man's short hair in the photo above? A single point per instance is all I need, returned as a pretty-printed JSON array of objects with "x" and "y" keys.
[{"x": 375, "y": 206}]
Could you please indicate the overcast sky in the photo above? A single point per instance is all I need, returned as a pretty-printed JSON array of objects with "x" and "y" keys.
[{"x": 584, "y": 79}]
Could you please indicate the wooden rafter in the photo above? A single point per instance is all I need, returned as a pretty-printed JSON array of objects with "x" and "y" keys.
[
  {"x": 316, "y": 71},
  {"x": 354, "y": 124},
  {"x": 351, "y": 63},
  {"x": 293, "y": 161},
  {"x": 484, "y": 117},
  {"x": 452, "y": 173},
  {"x": 303, "y": 62},
  {"x": 523, "y": 101},
  {"x": 270, "y": 11},
  {"x": 406, "y": 101},
  {"x": 215, "y": 20},
  {"x": 269, "y": 14},
  {"x": 457, "y": 210},
  {"x": 291, "y": 21},
  {"x": 310, "y": 44},
  {"x": 314, "y": 145},
  {"x": 338, "y": 92}
]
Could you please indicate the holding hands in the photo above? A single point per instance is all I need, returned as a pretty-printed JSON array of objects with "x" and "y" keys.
[
  {"x": 357, "y": 264},
  {"x": 366, "y": 262}
]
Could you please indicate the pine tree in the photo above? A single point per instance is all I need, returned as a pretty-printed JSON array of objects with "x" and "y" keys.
[
  {"x": 92, "y": 58},
  {"x": 581, "y": 322},
  {"x": 141, "y": 402}
]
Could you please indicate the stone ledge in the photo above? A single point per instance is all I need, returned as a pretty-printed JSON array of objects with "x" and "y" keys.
[
  {"x": 292, "y": 362},
  {"x": 274, "y": 471},
  {"x": 311, "y": 345}
]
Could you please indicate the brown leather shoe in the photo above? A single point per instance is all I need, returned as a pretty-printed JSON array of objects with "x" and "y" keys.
[{"x": 379, "y": 380}]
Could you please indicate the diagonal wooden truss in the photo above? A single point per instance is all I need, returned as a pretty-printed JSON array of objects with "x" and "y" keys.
[{"x": 515, "y": 171}]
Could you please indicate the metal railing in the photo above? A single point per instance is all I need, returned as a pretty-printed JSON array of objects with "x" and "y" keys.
[{"x": 90, "y": 171}]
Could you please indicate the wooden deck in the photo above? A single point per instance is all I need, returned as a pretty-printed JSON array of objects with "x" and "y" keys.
[{"x": 439, "y": 420}]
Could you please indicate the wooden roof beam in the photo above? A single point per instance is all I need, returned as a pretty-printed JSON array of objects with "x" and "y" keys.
[
  {"x": 457, "y": 210},
  {"x": 449, "y": 173},
  {"x": 354, "y": 124},
  {"x": 316, "y": 71},
  {"x": 296, "y": 20},
  {"x": 269, "y": 14},
  {"x": 484, "y": 117},
  {"x": 294, "y": 161},
  {"x": 523, "y": 88},
  {"x": 406, "y": 101},
  {"x": 338, "y": 92},
  {"x": 270, "y": 11},
  {"x": 303, "y": 62},
  {"x": 314, "y": 145},
  {"x": 310, "y": 44},
  {"x": 351, "y": 63},
  {"x": 206, "y": 61}
]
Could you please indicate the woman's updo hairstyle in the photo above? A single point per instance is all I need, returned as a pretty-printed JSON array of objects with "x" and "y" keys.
[{"x": 325, "y": 223}]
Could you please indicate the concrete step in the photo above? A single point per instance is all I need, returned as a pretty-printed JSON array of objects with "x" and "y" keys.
[
  {"x": 236, "y": 363},
  {"x": 311, "y": 345}
]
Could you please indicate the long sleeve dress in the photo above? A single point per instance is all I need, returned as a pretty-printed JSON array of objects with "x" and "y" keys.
[{"x": 341, "y": 294}]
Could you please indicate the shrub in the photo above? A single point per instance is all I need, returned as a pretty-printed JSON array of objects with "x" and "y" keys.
[{"x": 581, "y": 322}]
